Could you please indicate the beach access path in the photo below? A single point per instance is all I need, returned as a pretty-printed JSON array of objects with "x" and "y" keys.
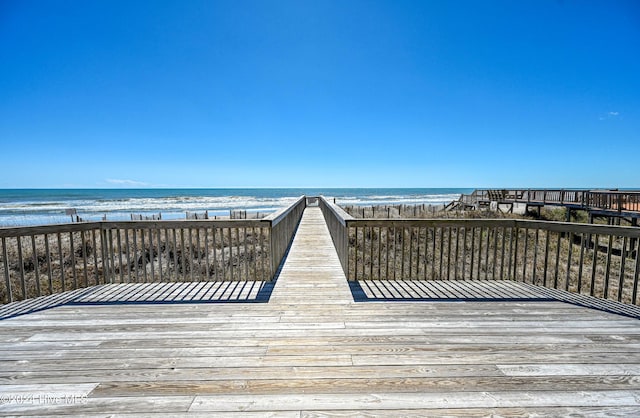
[{"x": 311, "y": 350}]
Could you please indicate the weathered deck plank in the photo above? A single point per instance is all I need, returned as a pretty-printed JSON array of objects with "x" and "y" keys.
[{"x": 311, "y": 351}]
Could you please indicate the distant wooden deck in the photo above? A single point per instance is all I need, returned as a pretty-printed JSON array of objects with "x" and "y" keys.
[
  {"x": 308, "y": 349},
  {"x": 609, "y": 203}
]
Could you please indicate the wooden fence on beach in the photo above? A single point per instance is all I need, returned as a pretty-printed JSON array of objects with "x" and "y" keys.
[
  {"x": 598, "y": 260},
  {"x": 393, "y": 211},
  {"x": 49, "y": 259}
]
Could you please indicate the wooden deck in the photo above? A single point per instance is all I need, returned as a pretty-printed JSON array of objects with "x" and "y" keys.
[
  {"x": 312, "y": 351},
  {"x": 608, "y": 203}
]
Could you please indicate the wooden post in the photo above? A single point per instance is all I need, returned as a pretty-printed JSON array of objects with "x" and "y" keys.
[
  {"x": 7, "y": 280},
  {"x": 71, "y": 212},
  {"x": 619, "y": 202}
]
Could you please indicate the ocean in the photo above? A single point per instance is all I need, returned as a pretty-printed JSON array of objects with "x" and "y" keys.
[{"x": 20, "y": 207}]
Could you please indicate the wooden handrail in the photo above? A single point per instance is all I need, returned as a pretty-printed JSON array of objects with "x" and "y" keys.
[
  {"x": 14, "y": 231},
  {"x": 340, "y": 214},
  {"x": 276, "y": 217}
]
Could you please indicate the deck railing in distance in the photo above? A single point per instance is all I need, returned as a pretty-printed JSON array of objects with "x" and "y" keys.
[
  {"x": 44, "y": 260},
  {"x": 597, "y": 260},
  {"x": 548, "y": 196},
  {"x": 614, "y": 201},
  {"x": 604, "y": 200}
]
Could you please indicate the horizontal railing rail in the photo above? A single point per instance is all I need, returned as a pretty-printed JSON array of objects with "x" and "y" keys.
[
  {"x": 597, "y": 260},
  {"x": 43, "y": 260}
]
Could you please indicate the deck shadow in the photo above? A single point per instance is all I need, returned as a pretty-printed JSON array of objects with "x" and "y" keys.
[
  {"x": 147, "y": 293},
  {"x": 441, "y": 290},
  {"x": 587, "y": 301},
  {"x": 478, "y": 291}
]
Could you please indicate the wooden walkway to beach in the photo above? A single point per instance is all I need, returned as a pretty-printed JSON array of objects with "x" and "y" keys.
[{"x": 311, "y": 350}]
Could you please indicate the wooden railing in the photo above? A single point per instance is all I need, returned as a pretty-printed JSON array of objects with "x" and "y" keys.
[
  {"x": 336, "y": 219},
  {"x": 45, "y": 260},
  {"x": 597, "y": 260},
  {"x": 283, "y": 225},
  {"x": 604, "y": 200},
  {"x": 614, "y": 201}
]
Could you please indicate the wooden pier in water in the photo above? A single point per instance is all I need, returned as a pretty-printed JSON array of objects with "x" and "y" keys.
[{"x": 313, "y": 344}]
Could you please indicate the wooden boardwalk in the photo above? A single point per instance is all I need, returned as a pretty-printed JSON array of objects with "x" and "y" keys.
[
  {"x": 313, "y": 351},
  {"x": 608, "y": 203}
]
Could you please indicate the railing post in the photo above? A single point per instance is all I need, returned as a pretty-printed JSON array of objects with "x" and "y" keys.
[
  {"x": 106, "y": 276},
  {"x": 103, "y": 253},
  {"x": 272, "y": 246},
  {"x": 345, "y": 251},
  {"x": 620, "y": 202},
  {"x": 6, "y": 270},
  {"x": 514, "y": 256}
]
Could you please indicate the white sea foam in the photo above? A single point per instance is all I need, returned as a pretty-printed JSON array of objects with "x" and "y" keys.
[
  {"x": 51, "y": 208},
  {"x": 150, "y": 204}
]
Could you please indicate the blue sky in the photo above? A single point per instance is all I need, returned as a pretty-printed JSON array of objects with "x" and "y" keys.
[{"x": 320, "y": 93}]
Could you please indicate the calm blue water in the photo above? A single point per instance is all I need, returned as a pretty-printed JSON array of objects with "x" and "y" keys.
[{"x": 45, "y": 206}]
